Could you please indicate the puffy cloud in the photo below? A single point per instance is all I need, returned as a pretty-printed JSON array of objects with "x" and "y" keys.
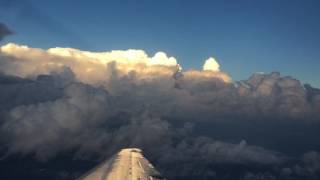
[
  {"x": 91, "y": 67},
  {"x": 160, "y": 58},
  {"x": 187, "y": 122},
  {"x": 211, "y": 65},
  {"x": 59, "y": 122}
]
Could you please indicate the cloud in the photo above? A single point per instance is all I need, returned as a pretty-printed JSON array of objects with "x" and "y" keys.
[
  {"x": 91, "y": 67},
  {"x": 4, "y": 31},
  {"x": 211, "y": 65},
  {"x": 160, "y": 58},
  {"x": 187, "y": 121}
]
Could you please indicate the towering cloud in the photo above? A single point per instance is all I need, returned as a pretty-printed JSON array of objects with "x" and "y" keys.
[
  {"x": 211, "y": 65},
  {"x": 191, "y": 124},
  {"x": 91, "y": 67}
]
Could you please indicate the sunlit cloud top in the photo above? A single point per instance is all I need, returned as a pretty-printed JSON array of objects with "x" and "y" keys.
[
  {"x": 99, "y": 67},
  {"x": 211, "y": 65}
]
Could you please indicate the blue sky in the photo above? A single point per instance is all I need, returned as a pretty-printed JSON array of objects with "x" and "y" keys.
[{"x": 245, "y": 36}]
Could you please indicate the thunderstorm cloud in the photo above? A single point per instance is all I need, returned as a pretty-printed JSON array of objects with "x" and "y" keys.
[{"x": 196, "y": 124}]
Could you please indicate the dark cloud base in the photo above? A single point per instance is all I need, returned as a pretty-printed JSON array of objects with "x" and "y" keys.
[
  {"x": 61, "y": 167},
  {"x": 54, "y": 126},
  {"x": 293, "y": 138}
]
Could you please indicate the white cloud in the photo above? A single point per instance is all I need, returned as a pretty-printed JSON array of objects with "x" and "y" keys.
[
  {"x": 92, "y": 67},
  {"x": 161, "y": 58},
  {"x": 94, "y": 103},
  {"x": 211, "y": 65}
]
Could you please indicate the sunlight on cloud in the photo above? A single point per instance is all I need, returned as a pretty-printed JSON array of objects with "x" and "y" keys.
[
  {"x": 94, "y": 103},
  {"x": 99, "y": 67},
  {"x": 161, "y": 58},
  {"x": 211, "y": 65}
]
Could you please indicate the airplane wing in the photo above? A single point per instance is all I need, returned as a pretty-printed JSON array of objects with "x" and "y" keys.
[{"x": 128, "y": 164}]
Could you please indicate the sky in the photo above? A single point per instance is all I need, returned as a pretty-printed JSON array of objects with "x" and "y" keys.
[
  {"x": 244, "y": 36},
  {"x": 62, "y": 110}
]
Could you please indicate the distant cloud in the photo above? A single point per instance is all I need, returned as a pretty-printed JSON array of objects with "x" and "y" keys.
[
  {"x": 94, "y": 103},
  {"x": 91, "y": 67},
  {"x": 211, "y": 65}
]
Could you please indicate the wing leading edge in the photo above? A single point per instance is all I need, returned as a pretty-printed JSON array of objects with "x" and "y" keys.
[{"x": 128, "y": 164}]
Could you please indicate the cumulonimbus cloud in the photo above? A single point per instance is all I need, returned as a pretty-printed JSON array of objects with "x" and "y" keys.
[
  {"x": 91, "y": 67},
  {"x": 95, "y": 103}
]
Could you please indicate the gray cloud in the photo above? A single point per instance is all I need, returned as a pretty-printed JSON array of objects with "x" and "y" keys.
[{"x": 51, "y": 104}]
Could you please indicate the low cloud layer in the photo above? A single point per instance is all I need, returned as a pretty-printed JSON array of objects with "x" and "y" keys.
[{"x": 62, "y": 99}]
